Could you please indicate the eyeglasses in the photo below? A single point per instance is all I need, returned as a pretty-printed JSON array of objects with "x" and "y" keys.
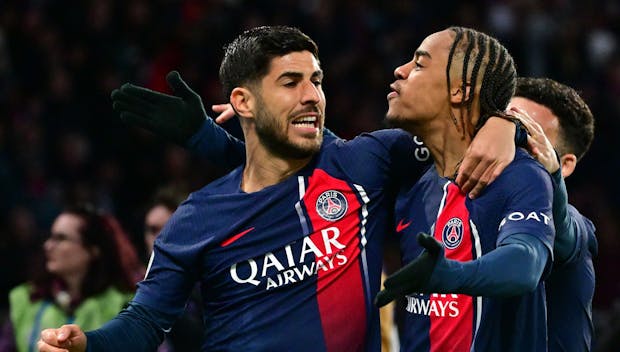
[
  {"x": 152, "y": 229},
  {"x": 61, "y": 237}
]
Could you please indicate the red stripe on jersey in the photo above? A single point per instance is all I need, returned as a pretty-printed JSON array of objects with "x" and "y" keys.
[
  {"x": 340, "y": 289},
  {"x": 450, "y": 331}
]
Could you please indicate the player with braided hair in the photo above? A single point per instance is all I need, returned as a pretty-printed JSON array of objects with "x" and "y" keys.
[{"x": 475, "y": 282}]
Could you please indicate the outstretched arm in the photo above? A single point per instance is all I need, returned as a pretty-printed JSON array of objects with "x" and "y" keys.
[
  {"x": 179, "y": 118},
  {"x": 523, "y": 258},
  {"x": 136, "y": 328}
]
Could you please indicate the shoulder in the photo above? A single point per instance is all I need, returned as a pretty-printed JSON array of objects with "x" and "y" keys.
[
  {"x": 385, "y": 137},
  {"x": 524, "y": 171},
  {"x": 19, "y": 293},
  {"x": 226, "y": 184},
  {"x": 584, "y": 230},
  {"x": 111, "y": 298}
]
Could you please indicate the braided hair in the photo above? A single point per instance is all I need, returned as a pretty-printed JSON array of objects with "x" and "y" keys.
[{"x": 485, "y": 62}]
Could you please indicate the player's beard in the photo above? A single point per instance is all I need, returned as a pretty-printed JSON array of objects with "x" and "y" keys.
[
  {"x": 397, "y": 121},
  {"x": 272, "y": 134}
]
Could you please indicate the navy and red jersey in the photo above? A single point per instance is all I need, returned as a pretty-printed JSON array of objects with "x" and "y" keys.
[
  {"x": 518, "y": 202},
  {"x": 570, "y": 288},
  {"x": 294, "y": 266}
]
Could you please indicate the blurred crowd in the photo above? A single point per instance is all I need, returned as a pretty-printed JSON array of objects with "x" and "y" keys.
[{"x": 61, "y": 143}]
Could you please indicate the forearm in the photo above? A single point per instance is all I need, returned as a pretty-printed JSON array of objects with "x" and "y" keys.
[
  {"x": 522, "y": 261},
  {"x": 565, "y": 232},
  {"x": 136, "y": 328},
  {"x": 218, "y": 146}
]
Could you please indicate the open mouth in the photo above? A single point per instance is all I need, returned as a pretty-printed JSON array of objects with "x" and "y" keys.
[
  {"x": 307, "y": 124},
  {"x": 306, "y": 121}
]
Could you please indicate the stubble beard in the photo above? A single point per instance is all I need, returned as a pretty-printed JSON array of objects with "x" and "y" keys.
[
  {"x": 273, "y": 136},
  {"x": 397, "y": 121}
]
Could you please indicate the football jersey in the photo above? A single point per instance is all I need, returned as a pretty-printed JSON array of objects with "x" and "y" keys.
[
  {"x": 294, "y": 266},
  {"x": 570, "y": 288},
  {"x": 517, "y": 202}
]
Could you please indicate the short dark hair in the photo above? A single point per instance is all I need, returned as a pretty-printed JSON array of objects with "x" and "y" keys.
[
  {"x": 576, "y": 130},
  {"x": 248, "y": 57},
  {"x": 487, "y": 60}
]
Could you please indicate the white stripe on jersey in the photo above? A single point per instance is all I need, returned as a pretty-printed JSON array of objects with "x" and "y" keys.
[
  {"x": 478, "y": 253},
  {"x": 300, "y": 213},
  {"x": 363, "y": 240}
]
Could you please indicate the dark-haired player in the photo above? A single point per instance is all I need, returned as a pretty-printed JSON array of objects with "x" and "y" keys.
[{"x": 564, "y": 119}]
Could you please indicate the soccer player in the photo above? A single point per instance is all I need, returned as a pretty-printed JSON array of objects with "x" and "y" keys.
[
  {"x": 559, "y": 118},
  {"x": 288, "y": 246},
  {"x": 475, "y": 281}
]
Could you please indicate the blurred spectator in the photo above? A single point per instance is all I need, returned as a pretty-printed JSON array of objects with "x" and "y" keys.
[{"x": 90, "y": 273}]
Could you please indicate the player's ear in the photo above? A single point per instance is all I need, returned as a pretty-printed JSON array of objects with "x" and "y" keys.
[
  {"x": 458, "y": 95},
  {"x": 568, "y": 162},
  {"x": 243, "y": 101}
]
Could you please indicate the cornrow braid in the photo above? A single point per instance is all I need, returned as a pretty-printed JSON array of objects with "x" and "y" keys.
[
  {"x": 498, "y": 72},
  {"x": 457, "y": 39},
  {"x": 470, "y": 47}
]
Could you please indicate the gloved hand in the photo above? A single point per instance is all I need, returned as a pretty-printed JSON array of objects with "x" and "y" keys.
[
  {"x": 415, "y": 276},
  {"x": 174, "y": 117}
]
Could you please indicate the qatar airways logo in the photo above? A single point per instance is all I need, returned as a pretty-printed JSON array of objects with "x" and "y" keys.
[
  {"x": 294, "y": 267},
  {"x": 442, "y": 305},
  {"x": 519, "y": 216}
]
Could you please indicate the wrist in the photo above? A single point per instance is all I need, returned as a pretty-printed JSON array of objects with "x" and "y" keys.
[
  {"x": 447, "y": 277},
  {"x": 519, "y": 130}
]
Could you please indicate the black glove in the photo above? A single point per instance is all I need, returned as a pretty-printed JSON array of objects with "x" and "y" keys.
[
  {"x": 415, "y": 276},
  {"x": 175, "y": 118}
]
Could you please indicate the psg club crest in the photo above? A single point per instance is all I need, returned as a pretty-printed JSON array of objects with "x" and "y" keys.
[
  {"x": 331, "y": 205},
  {"x": 452, "y": 233}
]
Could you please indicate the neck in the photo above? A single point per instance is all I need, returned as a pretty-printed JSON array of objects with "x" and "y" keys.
[
  {"x": 264, "y": 169},
  {"x": 446, "y": 143},
  {"x": 74, "y": 285}
]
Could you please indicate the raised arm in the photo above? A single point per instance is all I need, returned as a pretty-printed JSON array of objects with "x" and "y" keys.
[
  {"x": 491, "y": 150},
  {"x": 179, "y": 118},
  {"x": 565, "y": 224}
]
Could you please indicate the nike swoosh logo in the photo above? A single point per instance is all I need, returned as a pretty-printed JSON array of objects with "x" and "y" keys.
[
  {"x": 401, "y": 226},
  {"x": 236, "y": 237}
]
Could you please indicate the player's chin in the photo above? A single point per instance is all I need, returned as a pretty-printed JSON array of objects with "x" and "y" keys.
[
  {"x": 394, "y": 120},
  {"x": 307, "y": 147}
]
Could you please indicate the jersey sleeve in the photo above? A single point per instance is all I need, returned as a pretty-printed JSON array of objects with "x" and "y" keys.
[
  {"x": 528, "y": 202},
  {"x": 174, "y": 263},
  {"x": 390, "y": 156},
  {"x": 217, "y": 145},
  {"x": 584, "y": 232}
]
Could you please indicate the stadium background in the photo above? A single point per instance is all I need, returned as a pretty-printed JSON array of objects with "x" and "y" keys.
[{"x": 60, "y": 141}]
